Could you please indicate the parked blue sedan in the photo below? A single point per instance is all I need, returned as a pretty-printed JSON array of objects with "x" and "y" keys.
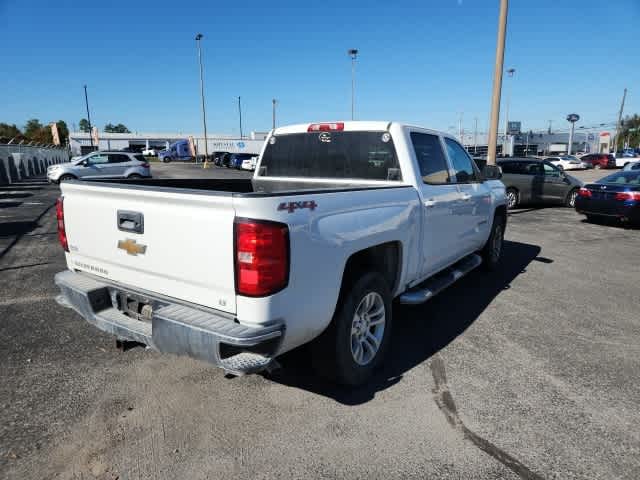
[
  {"x": 616, "y": 196},
  {"x": 237, "y": 158}
]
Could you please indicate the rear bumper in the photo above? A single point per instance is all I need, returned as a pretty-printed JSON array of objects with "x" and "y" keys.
[
  {"x": 625, "y": 212},
  {"x": 174, "y": 328}
]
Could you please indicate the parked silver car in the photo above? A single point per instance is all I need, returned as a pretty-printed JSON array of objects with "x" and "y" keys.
[{"x": 101, "y": 165}]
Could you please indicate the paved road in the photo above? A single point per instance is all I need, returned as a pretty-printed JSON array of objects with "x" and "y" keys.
[{"x": 530, "y": 372}]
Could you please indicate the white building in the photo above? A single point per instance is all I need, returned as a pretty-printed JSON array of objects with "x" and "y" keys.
[{"x": 81, "y": 142}]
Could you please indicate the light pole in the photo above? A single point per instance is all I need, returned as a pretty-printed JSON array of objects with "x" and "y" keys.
[
  {"x": 510, "y": 73},
  {"x": 497, "y": 83},
  {"x": 273, "y": 113},
  {"x": 86, "y": 102},
  {"x": 240, "y": 114},
  {"x": 572, "y": 118},
  {"x": 204, "y": 116},
  {"x": 353, "y": 53}
]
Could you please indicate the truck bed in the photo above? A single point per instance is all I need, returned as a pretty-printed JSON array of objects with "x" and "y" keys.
[{"x": 246, "y": 187}]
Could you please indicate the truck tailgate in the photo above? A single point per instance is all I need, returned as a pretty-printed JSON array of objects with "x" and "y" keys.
[{"x": 185, "y": 250}]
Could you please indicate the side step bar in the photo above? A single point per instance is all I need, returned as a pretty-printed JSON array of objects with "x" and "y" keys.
[{"x": 434, "y": 285}]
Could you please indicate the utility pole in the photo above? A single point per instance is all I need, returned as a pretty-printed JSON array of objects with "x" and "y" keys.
[
  {"x": 510, "y": 72},
  {"x": 460, "y": 128},
  {"x": 240, "y": 115},
  {"x": 624, "y": 96},
  {"x": 274, "y": 101},
  {"x": 475, "y": 135},
  {"x": 353, "y": 53},
  {"x": 86, "y": 102},
  {"x": 204, "y": 116},
  {"x": 497, "y": 83},
  {"x": 549, "y": 131}
]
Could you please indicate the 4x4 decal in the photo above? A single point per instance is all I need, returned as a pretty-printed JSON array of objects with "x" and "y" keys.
[{"x": 293, "y": 206}]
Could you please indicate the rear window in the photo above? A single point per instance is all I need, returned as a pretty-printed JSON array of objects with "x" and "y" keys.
[
  {"x": 351, "y": 155},
  {"x": 624, "y": 178}
]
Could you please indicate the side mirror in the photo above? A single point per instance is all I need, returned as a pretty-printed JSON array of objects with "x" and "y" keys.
[{"x": 492, "y": 172}]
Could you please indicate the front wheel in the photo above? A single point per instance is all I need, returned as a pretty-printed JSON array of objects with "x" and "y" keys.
[
  {"x": 570, "y": 201},
  {"x": 356, "y": 340},
  {"x": 491, "y": 253},
  {"x": 512, "y": 198},
  {"x": 64, "y": 178},
  {"x": 597, "y": 166}
]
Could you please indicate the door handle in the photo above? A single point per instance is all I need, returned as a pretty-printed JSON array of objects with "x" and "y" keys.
[
  {"x": 130, "y": 221},
  {"x": 430, "y": 203}
]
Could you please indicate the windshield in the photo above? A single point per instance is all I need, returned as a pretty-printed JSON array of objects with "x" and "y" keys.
[
  {"x": 350, "y": 155},
  {"x": 625, "y": 178}
]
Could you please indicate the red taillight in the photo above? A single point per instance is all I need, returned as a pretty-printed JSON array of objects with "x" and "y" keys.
[
  {"x": 584, "y": 192},
  {"x": 624, "y": 196},
  {"x": 62, "y": 233},
  {"x": 262, "y": 257},
  {"x": 326, "y": 127}
]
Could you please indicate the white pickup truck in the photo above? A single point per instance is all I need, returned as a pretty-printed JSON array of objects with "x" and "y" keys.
[{"x": 338, "y": 220}]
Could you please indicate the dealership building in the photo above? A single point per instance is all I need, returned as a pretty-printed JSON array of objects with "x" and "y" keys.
[{"x": 82, "y": 142}]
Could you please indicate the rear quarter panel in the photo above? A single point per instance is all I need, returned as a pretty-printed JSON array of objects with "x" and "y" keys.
[{"x": 322, "y": 240}]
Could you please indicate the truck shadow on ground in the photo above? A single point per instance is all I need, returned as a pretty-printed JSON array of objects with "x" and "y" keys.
[{"x": 419, "y": 332}]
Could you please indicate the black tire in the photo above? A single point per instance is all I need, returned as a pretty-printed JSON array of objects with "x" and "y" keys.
[
  {"x": 597, "y": 166},
  {"x": 513, "y": 198},
  {"x": 594, "y": 219},
  {"x": 570, "y": 201},
  {"x": 491, "y": 253},
  {"x": 66, "y": 177},
  {"x": 332, "y": 351},
  {"x": 134, "y": 176}
]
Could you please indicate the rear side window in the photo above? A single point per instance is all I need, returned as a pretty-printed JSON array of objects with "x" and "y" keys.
[
  {"x": 351, "y": 155},
  {"x": 431, "y": 159},
  {"x": 461, "y": 162},
  {"x": 139, "y": 157},
  {"x": 118, "y": 158}
]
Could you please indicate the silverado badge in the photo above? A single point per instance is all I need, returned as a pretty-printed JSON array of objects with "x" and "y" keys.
[{"x": 132, "y": 247}]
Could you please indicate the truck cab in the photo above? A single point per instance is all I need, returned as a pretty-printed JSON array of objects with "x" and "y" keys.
[{"x": 179, "y": 150}]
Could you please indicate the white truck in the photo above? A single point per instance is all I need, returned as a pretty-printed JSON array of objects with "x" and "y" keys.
[{"x": 338, "y": 220}]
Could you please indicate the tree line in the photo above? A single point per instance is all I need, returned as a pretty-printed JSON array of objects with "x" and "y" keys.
[
  {"x": 38, "y": 133},
  {"x": 33, "y": 131}
]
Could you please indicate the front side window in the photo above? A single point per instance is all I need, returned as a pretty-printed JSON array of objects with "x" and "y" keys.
[
  {"x": 98, "y": 159},
  {"x": 461, "y": 162},
  {"x": 431, "y": 159},
  {"x": 334, "y": 154},
  {"x": 550, "y": 170}
]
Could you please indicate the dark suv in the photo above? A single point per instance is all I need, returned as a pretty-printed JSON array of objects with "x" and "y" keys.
[
  {"x": 599, "y": 160},
  {"x": 531, "y": 180}
]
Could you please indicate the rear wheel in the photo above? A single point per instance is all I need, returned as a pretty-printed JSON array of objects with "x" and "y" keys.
[
  {"x": 134, "y": 176},
  {"x": 356, "y": 340},
  {"x": 570, "y": 201},
  {"x": 512, "y": 198}
]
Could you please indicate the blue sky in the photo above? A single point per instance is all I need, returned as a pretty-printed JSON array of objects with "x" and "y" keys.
[{"x": 421, "y": 62}]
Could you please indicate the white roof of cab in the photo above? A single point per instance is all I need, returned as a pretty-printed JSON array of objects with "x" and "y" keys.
[
  {"x": 355, "y": 126},
  {"x": 348, "y": 126}
]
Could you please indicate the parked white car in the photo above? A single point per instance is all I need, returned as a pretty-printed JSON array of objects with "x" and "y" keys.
[
  {"x": 622, "y": 162},
  {"x": 338, "y": 220},
  {"x": 250, "y": 163},
  {"x": 151, "y": 152},
  {"x": 632, "y": 166},
  {"x": 566, "y": 162}
]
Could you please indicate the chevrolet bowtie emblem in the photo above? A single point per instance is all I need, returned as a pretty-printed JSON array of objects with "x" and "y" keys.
[{"x": 132, "y": 247}]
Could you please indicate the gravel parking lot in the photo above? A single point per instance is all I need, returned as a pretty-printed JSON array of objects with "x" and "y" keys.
[{"x": 529, "y": 372}]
